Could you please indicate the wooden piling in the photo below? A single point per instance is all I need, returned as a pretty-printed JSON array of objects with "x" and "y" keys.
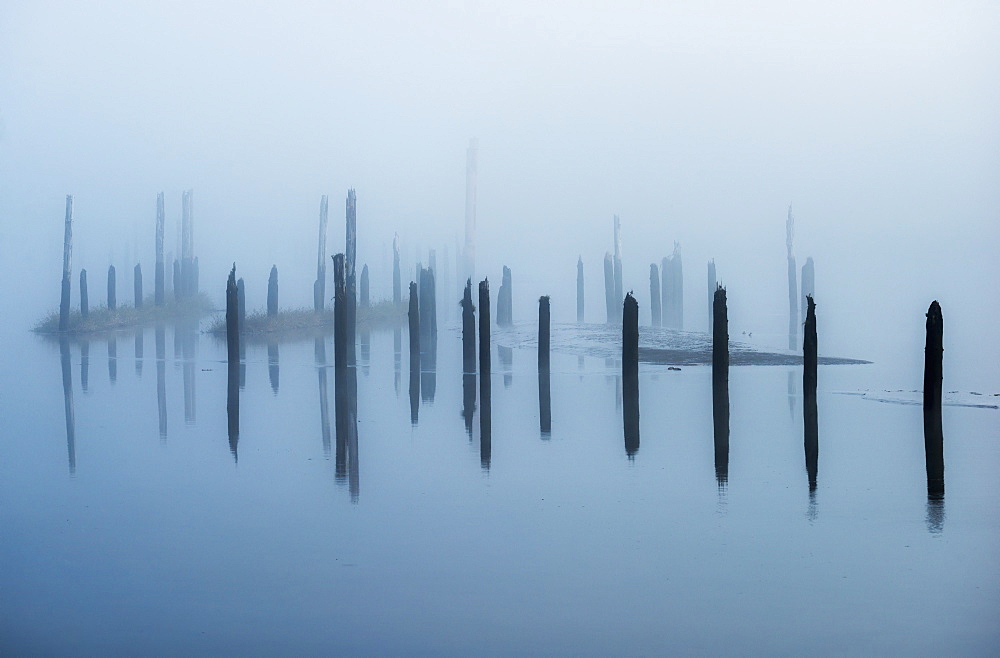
[
  {"x": 158, "y": 274},
  {"x": 485, "y": 381},
  {"x": 543, "y": 332},
  {"x": 351, "y": 274},
  {"x": 579, "y": 289},
  {"x": 340, "y": 354},
  {"x": 484, "y": 327},
  {"x": 319, "y": 285},
  {"x": 933, "y": 429},
  {"x": 112, "y": 293},
  {"x": 137, "y": 285},
  {"x": 720, "y": 385},
  {"x": 630, "y": 373},
  {"x": 809, "y": 380},
  {"x": 505, "y": 315},
  {"x": 468, "y": 330},
  {"x": 654, "y": 295},
  {"x": 84, "y": 296},
  {"x": 413, "y": 315},
  {"x": 609, "y": 288},
  {"x": 67, "y": 272},
  {"x": 544, "y": 395},
  {"x": 272, "y": 292}
]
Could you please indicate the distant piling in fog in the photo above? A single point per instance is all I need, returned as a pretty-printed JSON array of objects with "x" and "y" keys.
[
  {"x": 672, "y": 294},
  {"x": 137, "y": 285},
  {"x": 630, "y": 373},
  {"x": 654, "y": 295},
  {"x": 272, "y": 292},
  {"x": 233, "y": 355},
  {"x": 339, "y": 313},
  {"x": 319, "y": 285},
  {"x": 112, "y": 292},
  {"x": 505, "y": 315},
  {"x": 809, "y": 379},
  {"x": 363, "y": 300},
  {"x": 609, "y": 289},
  {"x": 413, "y": 315},
  {"x": 713, "y": 283},
  {"x": 468, "y": 330},
  {"x": 544, "y": 379},
  {"x": 84, "y": 296},
  {"x": 67, "y": 273},
  {"x": 159, "y": 296},
  {"x": 808, "y": 284},
  {"x": 579, "y": 289},
  {"x": 933, "y": 430},
  {"x": 720, "y": 385},
  {"x": 351, "y": 274},
  {"x": 397, "y": 291}
]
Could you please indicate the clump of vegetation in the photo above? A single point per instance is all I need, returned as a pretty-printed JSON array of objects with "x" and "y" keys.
[
  {"x": 101, "y": 318},
  {"x": 307, "y": 320}
]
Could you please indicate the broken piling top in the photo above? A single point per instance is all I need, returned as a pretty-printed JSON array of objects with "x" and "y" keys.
[
  {"x": 232, "y": 318},
  {"x": 720, "y": 329}
]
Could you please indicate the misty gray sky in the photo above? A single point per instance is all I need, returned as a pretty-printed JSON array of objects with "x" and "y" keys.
[{"x": 697, "y": 122}]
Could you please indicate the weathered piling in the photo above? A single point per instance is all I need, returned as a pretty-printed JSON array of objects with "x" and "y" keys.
[
  {"x": 67, "y": 272},
  {"x": 272, "y": 292},
  {"x": 84, "y": 296},
  {"x": 619, "y": 284},
  {"x": 505, "y": 315},
  {"x": 579, "y": 289},
  {"x": 933, "y": 429},
  {"x": 319, "y": 285},
  {"x": 233, "y": 360},
  {"x": 428, "y": 328},
  {"x": 793, "y": 301},
  {"x": 544, "y": 396},
  {"x": 809, "y": 379},
  {"x": 363, "y": 288},
  {"x": 137, "y": 285},
  {"x": 397, "y": 290},
  {"x": 630, "y": 373},
  {"x": 666, "y": 293},
  {"x": 159, "y": 297},
  {"x": 67, "y": 382},
  {"x": 808, "y": 284},
  {"x": 112, "y": 293},
  {"x": 468, "y": 330},
  {"x": 609, "y": 289},
  {"x": 340, "y": 335},
  {"x": 713, "y": 283},
  {"x": 654, "y": 294},
  {"x": 720, "y": 385},
  {"x": 413, "y": 315},
  {"x": 485, "y": 382}
]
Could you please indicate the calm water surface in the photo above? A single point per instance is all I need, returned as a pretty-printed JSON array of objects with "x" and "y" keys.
[{"x": 133, "y": 524}]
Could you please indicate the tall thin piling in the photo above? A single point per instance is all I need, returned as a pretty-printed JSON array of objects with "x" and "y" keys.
[
  {"x": 339, "y": 313},
  {"x": 609, "y": 288},
  {"x": 468, "y": 330},
  {"x": 159, "y": 274},
  {"x": 579, "y": 289},
  {"x": 137, "y": 285},
  {"x": 84, "y": 297},
  {"x": 720, "y": 385},
  {"x": 363, "y": 288},
  {"x": 485, "y": 384},
  {"x": 350, "y": 274},
  {"x": 67, "y": 272},
  {"x": 933, "y": 430},
  {"x": 630, "y": 373},
  {"x": 112, "y": 293},
  {"x": 544, "y": 395},
  {"x": 809, "y": 379},
  {"x": 319, "y": 285},
  {"x": 233, "y": 355},
  {"x": 413, "y": 315},
  {"x": 272, "y": 292},
  {"x": 654, "y": 295}
]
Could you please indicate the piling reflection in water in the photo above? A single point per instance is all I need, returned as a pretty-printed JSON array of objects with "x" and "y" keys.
[
  {"x": 161, "y": 379},
  {"x": 84, "y": 364},
  {"x": 506, "y": 356},
  {"x": 366, "y": 349},
  {"x": 138, "y": 352},
  {"x": 397, "y": 357},
  {"x": 935, "y": 514},
  {"x": 319, "y": 354},
  {"x": 720, "y": 386},
  {"x": 428, "y": 368},
  {"x": 346, "y": 409},
  {"x": 544, "y": 404},
  {"x": 272, "y": 365},
  {"x": 188, "y": 333},
  {"x": 113, "y": 358},
  {"x": 67, "y": 383},
  {"x": 468, "y": 400}
]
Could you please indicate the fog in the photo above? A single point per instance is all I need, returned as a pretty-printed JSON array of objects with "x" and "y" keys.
[{"x": 694, "y": 123}]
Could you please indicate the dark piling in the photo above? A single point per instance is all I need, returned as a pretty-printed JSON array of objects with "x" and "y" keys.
[
  {"x": 485, "y": 392},
  {"x": 67, "y": 272},
  {"x": 137, "y": 285},
  {"x": 809, "y": 380},
  {"x": 484, "y": 326},
  {"x": 468, "y": 330},
  {"x": 233, "y": 360},
  {"x": 340, "y": 334},
  {"x": 413, "y": 315},
  {"x": 720, "y": 385},
  {"x": 933, "y": 430},
  {"x": 579, "y": 289},
  {"x": 544, "y": 378},
  {"x": 630, "y": 373},
  {"x": 112, "y": 293},
  {"x": 654, "y": 295},
  {"x": 159, "y": 297},
  {"x": 84, "y": 296},
  {"x": 609, "y": 289},
  {"x": 272, "y": 292}
]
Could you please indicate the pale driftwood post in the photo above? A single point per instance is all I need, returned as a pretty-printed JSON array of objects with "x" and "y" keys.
[
  {"x": 319, "y": 286},
  {"x": 339, "y": 313},
  {"x": 158, "y": 274},
  {"x": 112, "y": 293},
  {"x": 468, "y": 331},
  {"x": 187, "y": 245},
  {"x": 720, "y": 385},
  {"x": 272, "y": 292},
  {"x": 84, "y": 297},
  {"x": 137, "y": 285},
  {"x": 609, "y": 288},
  {"x": 808, "y": 283},
  {"x": 793, "y": 301},
  {"x": 630, "y": 373},
  {"x": 233, "y": 355},
  {"x": 713, "y": 283},
  {"x": 579, "y": 289},
  {"x": 504, "y": 300},
  {"x": 654, "y": 294},
  {"x": 809, "y": 379},
  {"x": 933, "y": 431},
  {"x": 363, "y": 288},
  {"x": 397, "y": 288},
  {"x": 67, "y": 266}
]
